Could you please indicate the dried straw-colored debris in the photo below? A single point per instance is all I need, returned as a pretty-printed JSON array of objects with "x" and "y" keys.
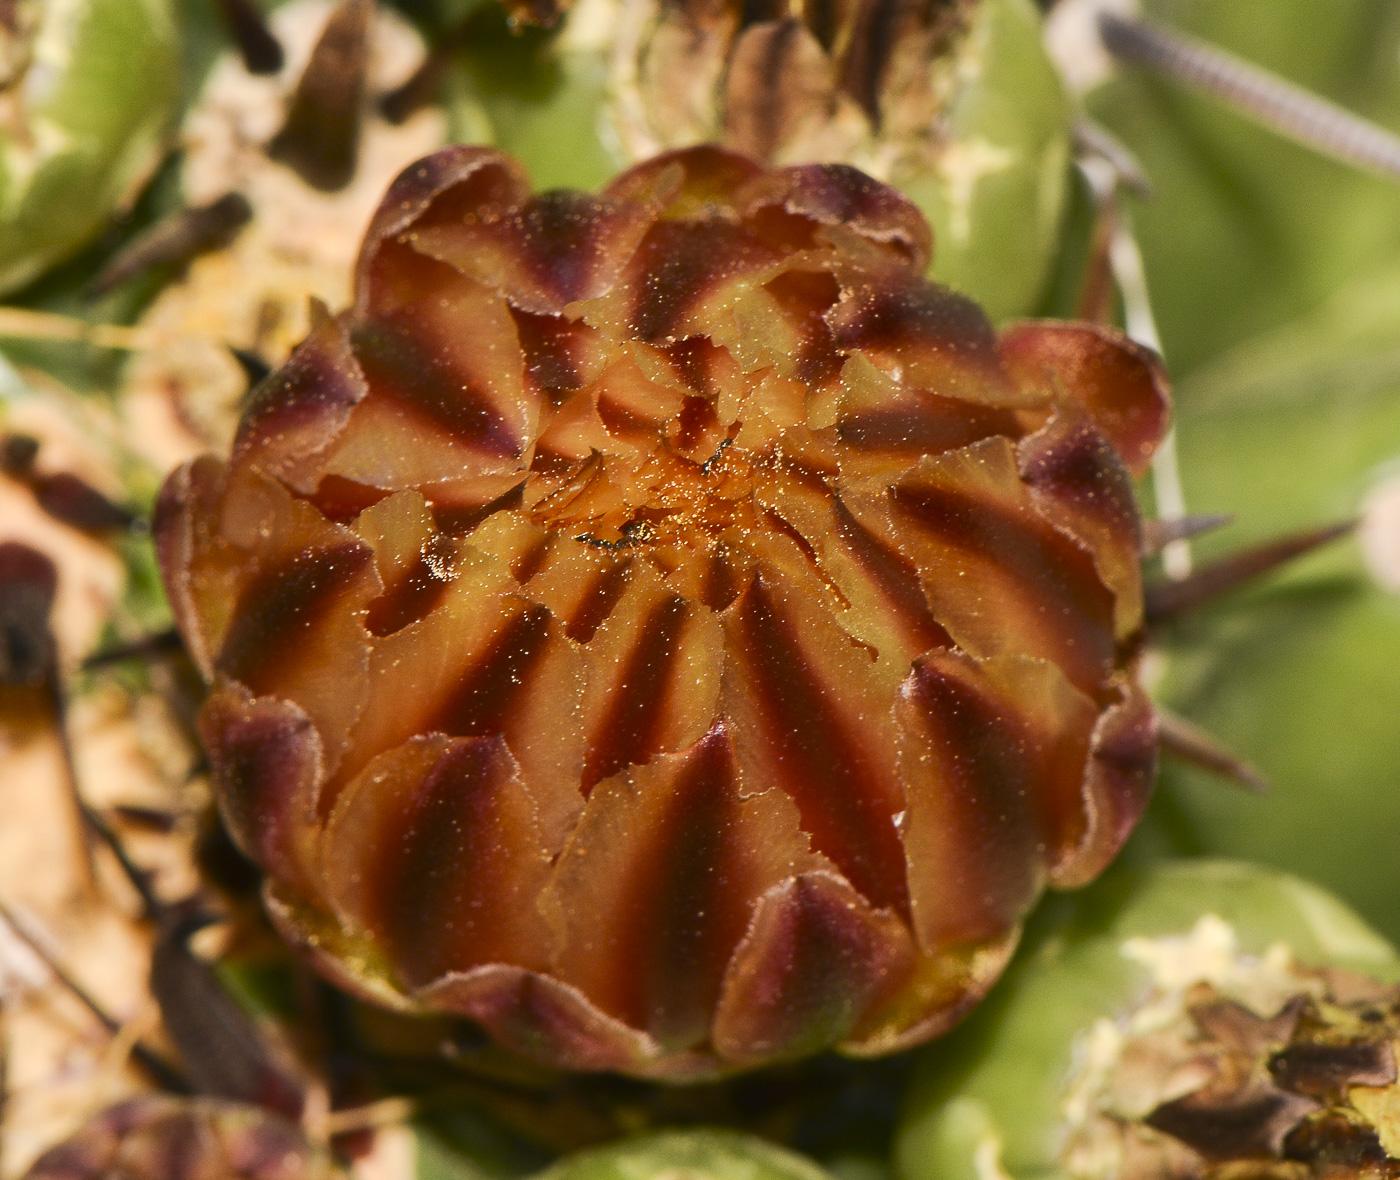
[
  {"x": 299, "y": 246},
  {"x": 68, "y": 898},
  {"x": 61, "y": 1064}
]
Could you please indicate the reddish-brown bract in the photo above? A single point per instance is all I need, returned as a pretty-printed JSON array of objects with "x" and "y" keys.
[
  {"x": 664, "y": 627},
  {"x": 160, "y": 1138}
]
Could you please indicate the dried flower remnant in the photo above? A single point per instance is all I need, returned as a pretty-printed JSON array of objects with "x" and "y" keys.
[
  {"x": 260, "y": 50},
  {"x": 1200, "y": 1019},
  {"x": 865, "y": 82},
  {"x": 954, "y": 102},
  {"x": 1263, "y": 1060},
  {"x": 28, "y": 583},
  {"x": 156, "y": 1138},
  {"x": 320, "y": 140},
  {"x": 664, "y": 627},
  {"x": 64, "y": 496}
]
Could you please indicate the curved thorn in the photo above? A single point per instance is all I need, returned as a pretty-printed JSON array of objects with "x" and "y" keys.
[
  {"x": 1093, "y": 138},
  {"x": 1183, "y": 739},
  {"x": 1158, "y": 534},
  {"x": 1171, "y": 599},
  {"x": 174, "y": 241},
  {"x": 1271, "y": 100}
]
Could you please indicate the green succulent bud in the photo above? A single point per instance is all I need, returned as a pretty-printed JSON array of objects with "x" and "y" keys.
[
  {"x": 87, "y": 90},
  {"x": 1200, "y": 1018},
  {"x": 952, "y": 101},
  {"x": 694, "y": 1155}
]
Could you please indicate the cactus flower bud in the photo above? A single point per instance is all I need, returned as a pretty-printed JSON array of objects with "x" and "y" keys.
[
  {"x": 663, "y": 626},
  {"x": 1200, "y": 1019},
  {"x": 87, "y": 89},
  {"x": 159, "y": 1138}
]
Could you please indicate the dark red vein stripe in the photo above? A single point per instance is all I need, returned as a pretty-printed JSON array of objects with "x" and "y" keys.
[
  {"x": 280, "y": 606},
  {"x": 895, "y": 578},
  {"x": 681, "y": 264},
  {"x": 402, "y": 371},
  {"x": 673, "y": 903},
  {"x": 1052, "y": 593},
  {"x": 597, "y": 602},
  {"x": 986, "y": 785},
  {"x": 816, "y": 960},
  {"x": 416, "y": 591},
  {"x": 437, "y": 851},
  {"x": 486, "y": 692},
  {"x": 820, "y": 753},
  {"x": 627, "y": 730}
]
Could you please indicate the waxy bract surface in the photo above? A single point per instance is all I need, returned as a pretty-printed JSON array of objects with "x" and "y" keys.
[{"x": 663, "y": 627}]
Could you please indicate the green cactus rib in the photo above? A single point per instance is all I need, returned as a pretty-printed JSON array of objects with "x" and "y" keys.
[{"x": 92, "y": 112}]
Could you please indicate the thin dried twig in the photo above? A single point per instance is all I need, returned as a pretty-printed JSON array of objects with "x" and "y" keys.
[
  {"x": 387, "y": 1112},
  {"x": 58, "y": 701},
  {"x": 223, "y": 1051},
  {"x": 161, "y": 643},
  {"x": 153, "y": 906},
  {"x": 161, "y": 1071},
  {"x": 21, "y": 323}
]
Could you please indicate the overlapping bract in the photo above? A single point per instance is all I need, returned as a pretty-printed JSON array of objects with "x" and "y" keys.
[
  {"x": 162, "y": 1138},
  {"x": 663, "y": 627}
]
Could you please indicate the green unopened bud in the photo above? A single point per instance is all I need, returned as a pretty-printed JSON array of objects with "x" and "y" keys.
[
  {"x": 1199, "y": 1019},
  {"x": 952, "y": 101},
  {"x": 695, "y": 1155},
  {"x": 87, "y": 88}
]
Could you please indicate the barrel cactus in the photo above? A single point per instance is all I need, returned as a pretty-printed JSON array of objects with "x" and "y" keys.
[{"x": 664, "y": 627}]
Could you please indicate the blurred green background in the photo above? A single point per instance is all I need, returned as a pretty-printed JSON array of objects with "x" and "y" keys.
[{"x": 1275, "y": 279}]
